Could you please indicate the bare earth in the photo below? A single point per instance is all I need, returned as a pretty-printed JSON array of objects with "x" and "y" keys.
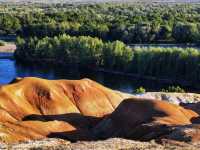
[{"x": 83, "y": 110}]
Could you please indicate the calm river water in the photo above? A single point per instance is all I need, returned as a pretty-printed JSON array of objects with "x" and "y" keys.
[{"x": 9, "y": 69}]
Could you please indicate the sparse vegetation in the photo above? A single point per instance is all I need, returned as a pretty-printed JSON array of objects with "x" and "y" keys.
[
  {"x": 170, "y": 63},
  {"x": 100, "y": 35},
  {"x": 176, "y": 89},
  {"x": 140, "y": 90}
]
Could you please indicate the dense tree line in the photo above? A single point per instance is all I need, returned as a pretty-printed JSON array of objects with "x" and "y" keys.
[
  {"x": 129, "y": 23},
  {"x": 174, "y": 63},
  {"x": 170, "y": 63},
  {"x": 9, "y": 24},
  {"x": 83, "y": 50}
]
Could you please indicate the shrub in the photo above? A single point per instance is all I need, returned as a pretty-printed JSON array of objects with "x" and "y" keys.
[
  {"x": 176, "y": 89},
  {"x": 140, "y": 90},
  {"x": 84, "y": 50}
]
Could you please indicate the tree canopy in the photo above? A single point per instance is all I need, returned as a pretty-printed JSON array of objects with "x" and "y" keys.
[{"x": 130, "y": 23}]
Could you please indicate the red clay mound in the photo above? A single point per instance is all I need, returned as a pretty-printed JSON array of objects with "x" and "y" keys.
[
  {"x": 33, "y": 108},
  {"x": 143, "y": 119}
]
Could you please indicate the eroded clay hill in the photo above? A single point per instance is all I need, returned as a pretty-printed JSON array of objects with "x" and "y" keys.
[{"x": 33, "y": 108}]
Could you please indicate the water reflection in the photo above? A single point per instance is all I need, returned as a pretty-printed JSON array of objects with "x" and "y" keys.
[{"x": 9, "y": 69}]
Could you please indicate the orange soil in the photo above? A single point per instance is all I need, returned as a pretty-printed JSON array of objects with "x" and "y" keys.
[{"x": 33, "y": 108}]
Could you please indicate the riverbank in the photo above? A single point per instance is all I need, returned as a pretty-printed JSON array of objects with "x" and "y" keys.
[
  {"x": 164, "y": 80},
  {"x": 8, "y": 48},
  {"x": 188, "y": 85},
  {"x": 137, "y": 76}
]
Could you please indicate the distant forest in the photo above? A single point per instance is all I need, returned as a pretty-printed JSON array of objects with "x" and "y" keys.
[{"x": 131, "y": 24}]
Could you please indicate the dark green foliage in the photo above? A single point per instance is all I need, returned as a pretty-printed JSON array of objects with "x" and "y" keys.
[
  {"x": 174, "y": 63},
  {"x": 129, "y": 23},
  {"x": 83, "y": 50},
  {"x": 140, "y": 90},
  {"x": 91, "y": 34},
  {"x": 185, "y": 33},
  {"x": 9, "y": 24}
]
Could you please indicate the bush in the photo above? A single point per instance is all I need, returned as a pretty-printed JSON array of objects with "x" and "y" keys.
[
  {"x": 175, "y": 89},
  {"x": 140, "y": 90},
  {"x": 170, "y": 63},
  {"x": 83, "y": 50}
]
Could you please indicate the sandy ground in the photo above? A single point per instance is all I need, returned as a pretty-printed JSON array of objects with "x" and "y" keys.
[{"x": 109, "y": 144}]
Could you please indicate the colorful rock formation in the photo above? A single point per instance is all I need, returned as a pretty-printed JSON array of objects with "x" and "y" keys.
[{"x": 33, "y": 108}]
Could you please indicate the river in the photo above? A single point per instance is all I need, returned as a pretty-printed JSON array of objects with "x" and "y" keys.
[{"x": 10, "y": 69}]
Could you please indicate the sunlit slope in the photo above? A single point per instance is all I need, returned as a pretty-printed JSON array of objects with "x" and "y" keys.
[
  {"x": 60, "y": 100},
  {"x": 143, "y": 119},
  {"x": 34, "y": 108}
]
